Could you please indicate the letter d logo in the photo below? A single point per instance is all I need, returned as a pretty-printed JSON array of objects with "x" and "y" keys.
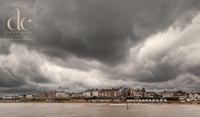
[{"x": 20, "y": 22}]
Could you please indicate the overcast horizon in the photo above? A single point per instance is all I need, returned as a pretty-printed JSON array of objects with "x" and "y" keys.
[{"x": 81, "y": 44}]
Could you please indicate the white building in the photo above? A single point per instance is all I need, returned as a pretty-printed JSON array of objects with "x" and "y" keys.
[
  {"x": 61, "y": 94},
  {"x": 7, "y": 97},
  {"x": 194, "y": 96},
  {"x": 87, "y": 93},
  {"x": 29, "y": 96},
  {"x": 167, "y": 94},
  {"x": 95, "y": 93}
]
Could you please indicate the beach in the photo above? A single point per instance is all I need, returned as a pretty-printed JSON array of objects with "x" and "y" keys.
[{"x": 97, "y": 110}]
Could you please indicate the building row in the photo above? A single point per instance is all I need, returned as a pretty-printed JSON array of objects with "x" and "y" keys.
[{"x": 112, "y": 93}]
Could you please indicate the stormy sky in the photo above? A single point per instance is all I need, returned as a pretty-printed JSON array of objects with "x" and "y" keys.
[{"x": 81, "y": 44}]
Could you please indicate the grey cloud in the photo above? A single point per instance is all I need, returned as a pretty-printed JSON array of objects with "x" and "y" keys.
[
  {"x": 4, "y": 46},
  {"x": 168, "y": 55},
  {"x": 20, "y": 69},
  {"x": 10, "y": 80}
]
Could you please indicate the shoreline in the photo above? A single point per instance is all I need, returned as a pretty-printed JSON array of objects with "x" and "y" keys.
[{"x": 122, "y": 103}]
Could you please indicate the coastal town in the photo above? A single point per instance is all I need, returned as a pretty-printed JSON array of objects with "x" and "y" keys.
[{"x": 111, "y": 95}]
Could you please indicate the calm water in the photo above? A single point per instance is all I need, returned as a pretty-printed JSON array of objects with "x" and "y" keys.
[{"x": 97, "y": 110}]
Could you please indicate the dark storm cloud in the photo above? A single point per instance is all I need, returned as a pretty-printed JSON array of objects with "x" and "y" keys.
[
  {"x": 155, "y": 15},
  {"x": 79, "y": 41},
  {"x": 92, "y": 29},
  {"x": 99, "y": 29}
]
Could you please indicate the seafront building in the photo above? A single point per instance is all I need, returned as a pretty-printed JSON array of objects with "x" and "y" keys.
[{"x": 113, "y": 95}]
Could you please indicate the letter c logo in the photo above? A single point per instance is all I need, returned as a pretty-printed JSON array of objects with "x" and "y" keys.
[{"x": 9, "y": 23}]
